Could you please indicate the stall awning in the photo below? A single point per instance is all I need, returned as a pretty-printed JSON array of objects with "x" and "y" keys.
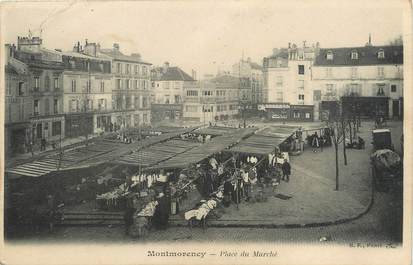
[
  {"x": 157, "y": 153},
  {"x": 215, "y": 131},
  {"x": 197, "y": 154},
  {"x": 264, "y": 141}
]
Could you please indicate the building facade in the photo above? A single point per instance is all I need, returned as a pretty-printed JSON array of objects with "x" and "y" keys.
[
  {"x": 168, "y": 86},
  {"x": 252, "y": 71},
  {"x": 130, "y": 88},
  {"x": 216, "y": 99},
  {"x": 42, "y": 87},
  {"x": 370, "y": 77},
  {"x": 288, "y": 80}
]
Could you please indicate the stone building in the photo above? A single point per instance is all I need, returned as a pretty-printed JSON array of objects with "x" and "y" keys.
[
  {"x": 169, "y": 84},
  {"x": 216, "y": 99},
  {"x": 287, "y": 82},
  {"x": 130, "y": 89},
  {"x": 252, "y": 71},
  {"x": 370, "y": 77},
  {"x": 40, "y": 75}
]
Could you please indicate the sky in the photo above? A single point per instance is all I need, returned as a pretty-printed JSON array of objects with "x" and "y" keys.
[{"x": 203, "y": 35}]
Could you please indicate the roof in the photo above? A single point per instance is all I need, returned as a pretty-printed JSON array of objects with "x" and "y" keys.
[
  {"x": 367, "y": 55},
  {"x": 117, "y": 55},
  {"x": 10, "y": 69},
  {"x": 224, "y": 79},
  {"x": 197, "y": 154},
  {"x": 85, "y": 56},
  {"x": 264, "y": 142},
  {"x": 173, "y": 74}
]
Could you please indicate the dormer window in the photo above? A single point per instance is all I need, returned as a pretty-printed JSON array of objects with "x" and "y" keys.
[
  {"x": 354, "y": 55},
  {"x": 330, "y": 55},
  {"x": 380, "y": 54}
]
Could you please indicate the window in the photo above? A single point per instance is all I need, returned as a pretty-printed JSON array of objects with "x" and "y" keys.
[
  {"x": 380, "y": 54},
  {"x": 36, "y": 83},
  {"x": 166, "y": 99},
  {"x": 102, "y": 86},
  {"x": 145, "y": 118},
  {"x": 354, "y": 55},
  {"x": 353, "y": 72},
  {"x": 135, "y": 84},
  {"x": 317, "y": 95},
  {"x": 55, "y": 106},
  {"x": 144, "y": 102},
  {"x": 192, "y": 93},
  {"x": 307, "y": 115},
  {"x": 176, "y": 84},
  {"x": 177, "y": 99},
  {"x": 56, "y": 128},
  {"x": 144, "y": 84},
  {"x": 393, "y": 88},
  {"x": 46, "y": 83},
  {"x": 127, "y": 68},
  {"x": 36, "y": 107},
  {"x": 144, "y": 70},
  {"x": 102, "y": 104},
  {"x": 119, "y": 68},
  {"x": 279, "y": 81},
  {"x": 296, "y": 114},
  {"x": 88, "y": 86},
  {"x": 300, "y": 69},
  {"x": 46, "y": 106},
  {"x": 21, "y": 89},
  {"x": 73, "y": 86},
  {"x": 301, "y": 97},
  {"x": 330, "y": 90},
  {"x": 56, "y": 83},
  {"x": 74, "y": 105},
  {"x": 301, "y": 84},
  {"x": 380, "y": 71},
  {"x": 89, "y": 104},
  {"x": 330, "y": 56},
  {"x": 135, "y": 69},
  {"x": 329, "y": 72},
  {"x": 137, "y": 103},
  {"x": 128, "y": 103},
  {"x": 127, "y": 83},
  {"x": 380, "y": 90},
  {"x": 118, "y": 84}
]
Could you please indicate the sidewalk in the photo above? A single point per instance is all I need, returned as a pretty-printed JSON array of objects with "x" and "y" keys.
[{"x": 314, "y": 200}]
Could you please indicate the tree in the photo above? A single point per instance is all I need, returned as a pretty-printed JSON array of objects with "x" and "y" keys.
[{"x": 335, "y": 126}]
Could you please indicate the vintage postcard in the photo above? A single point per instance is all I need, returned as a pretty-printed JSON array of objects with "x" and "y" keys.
[{"x": 206, "y": 132}]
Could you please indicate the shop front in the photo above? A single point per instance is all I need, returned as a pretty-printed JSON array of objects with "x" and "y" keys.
[
  {"x": 166, "y": 112},
  {"x": 16, "y": 137},
  {"x": 275, "y": 111},
  {"x": 366, "y": 107},
  {"x": 79, "y": 124},
  {"x": 301, "y": 113}
]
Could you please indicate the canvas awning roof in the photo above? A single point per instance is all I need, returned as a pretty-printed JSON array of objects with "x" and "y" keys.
[
  {"x": 215, "y": 131},
  {"x": 197, "y": 154},
  {"x": 264, "y": 141},
  {"x": 157, "y": 153}
]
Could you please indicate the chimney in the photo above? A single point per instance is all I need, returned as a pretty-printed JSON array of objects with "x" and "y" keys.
[
  {"x": 116, "y": 47},
  {"x": 165, "y": 67},
  {"x": 193, "y": 74},
  {"x": 289, "y": 45}
]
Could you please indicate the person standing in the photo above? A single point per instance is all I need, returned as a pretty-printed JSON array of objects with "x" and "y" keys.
[{"x": 286, "y": 168}]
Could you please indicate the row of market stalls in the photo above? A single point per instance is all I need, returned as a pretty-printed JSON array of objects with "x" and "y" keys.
[
  {"x": 73, "y": 179},
  {"x": 183, "y": 170}
]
